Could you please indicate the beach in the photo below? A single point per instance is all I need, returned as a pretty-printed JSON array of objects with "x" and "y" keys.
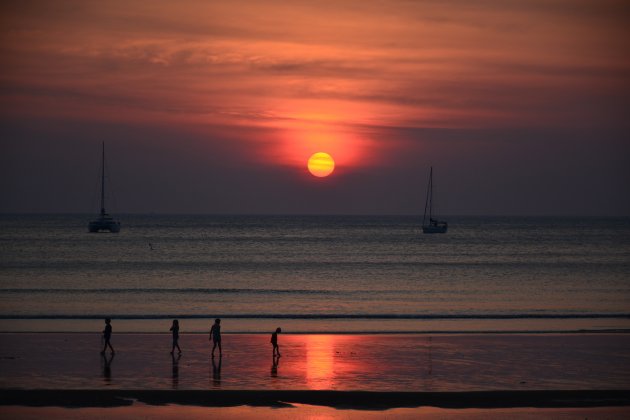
[
  {"x": 342, "y": 373},
  {"x": 341, "y": 362},
  {"x": 527, "y": 319},
  {"x": 423, "y": 199}
]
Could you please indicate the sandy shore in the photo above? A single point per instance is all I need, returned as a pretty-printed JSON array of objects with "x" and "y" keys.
[
  {"x": 393, "y": 363},
  {"x": 63, "y": 376}
]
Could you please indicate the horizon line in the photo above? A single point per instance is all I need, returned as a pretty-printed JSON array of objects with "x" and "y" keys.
[{"x": 280, "y": 214}]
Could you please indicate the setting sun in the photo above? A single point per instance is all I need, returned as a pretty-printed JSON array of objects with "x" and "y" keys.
[{"x": 321, "y": 164}]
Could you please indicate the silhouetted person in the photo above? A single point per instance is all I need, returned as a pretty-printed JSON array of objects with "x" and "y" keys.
[
  {"x": 215, "y": 336},
  {"x": 107, "y": 367},
  {"x": 274, "y": 342},
  {"x": 175, "y": 330},
  {"x": 275, "y": 360},
  {"x": 107, "y": 335},
  {"x": 175, "y": 369},
  {"x": 216, "y": 371}
]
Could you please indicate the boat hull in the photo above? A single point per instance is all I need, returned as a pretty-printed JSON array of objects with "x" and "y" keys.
[
  {"x": 434, "y": 229},
  {"x": 104, "y": 226}
]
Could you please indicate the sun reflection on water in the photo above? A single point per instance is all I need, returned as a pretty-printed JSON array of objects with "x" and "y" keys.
[{"x": 320, "y": 361}]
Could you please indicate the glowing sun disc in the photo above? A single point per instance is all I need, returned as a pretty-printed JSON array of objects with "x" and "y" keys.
[{"x": 321, "y": 164}]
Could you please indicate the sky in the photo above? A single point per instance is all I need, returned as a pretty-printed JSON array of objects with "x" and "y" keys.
[{"x": 521, "y": 107}]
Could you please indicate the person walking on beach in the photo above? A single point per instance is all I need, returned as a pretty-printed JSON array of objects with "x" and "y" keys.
[
  {"x": 274, "y": 342},
  {"x": 175, "y": 330},
  {"x": 215, "y": 336},
  {"x": 107, "y": 335}
]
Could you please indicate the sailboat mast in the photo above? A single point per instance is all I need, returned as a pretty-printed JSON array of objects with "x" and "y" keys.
[
  {"x": 431, "y": 194},
  {"x": 103, "y": 182},
  {"x": 427, "y": 202},
  {"x": 434, "y": 225}
]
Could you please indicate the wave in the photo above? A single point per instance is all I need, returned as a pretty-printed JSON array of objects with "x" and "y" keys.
[
  {"x": 190, "y": 290},
  {"x": 326, "y": 316},
  {"x": 537, "y": 263},
  {"x": 235, "y": 291}
]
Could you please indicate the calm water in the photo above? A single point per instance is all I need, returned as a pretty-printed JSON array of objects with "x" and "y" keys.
[{"x": 314, "y": 273}]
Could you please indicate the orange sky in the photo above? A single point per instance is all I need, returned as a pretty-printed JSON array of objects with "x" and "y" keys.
[{"x": 340, "y": 77}]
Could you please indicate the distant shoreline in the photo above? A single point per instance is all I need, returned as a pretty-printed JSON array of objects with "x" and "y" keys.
[{"x": 336, "y": 399}]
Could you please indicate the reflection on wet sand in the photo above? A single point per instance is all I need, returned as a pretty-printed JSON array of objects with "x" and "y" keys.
[
  {"x": 216, "y": 372},
  {"x": 320, "y": 361},
  {"x": 106, "y": 364},
  {"x": 428, "y": 382},
  {"x": 175, "y": 371},
  {"x": 341, "y": 362},
  {"x": 274, "y": 366}
]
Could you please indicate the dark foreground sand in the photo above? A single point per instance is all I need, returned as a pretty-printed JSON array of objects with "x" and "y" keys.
[
  {"x": 300, "y": 411},
  {"x": 366, "y": 400},
  {"x": 278, "y": 405}
]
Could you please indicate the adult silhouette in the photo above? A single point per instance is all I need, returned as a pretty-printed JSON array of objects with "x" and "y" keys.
[
  {"x": 107, "y": 335},
  {"x": 175, "y": 330},
  {"x": 215, "y": 336}
]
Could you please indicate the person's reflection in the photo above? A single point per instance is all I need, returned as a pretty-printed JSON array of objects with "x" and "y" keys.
[
  {"x": 176, "y": 369},
  {"x": 430, "y": 358},
  {"x": 107, "y": 367},
  {"x": 216, "y": 371},
  {"x": 274, "y": 366},
  {"x": 428, "y": 381}
]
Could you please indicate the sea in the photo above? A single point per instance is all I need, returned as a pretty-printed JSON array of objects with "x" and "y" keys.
[{"x": 315, "y": 274}]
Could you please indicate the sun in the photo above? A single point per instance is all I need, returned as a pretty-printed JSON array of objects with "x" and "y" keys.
[{"x": 321, "y": 164}]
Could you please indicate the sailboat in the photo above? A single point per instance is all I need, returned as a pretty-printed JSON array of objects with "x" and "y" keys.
[
  {"x": 105, "y": 222},
  {"x": 434, "y": 225}
]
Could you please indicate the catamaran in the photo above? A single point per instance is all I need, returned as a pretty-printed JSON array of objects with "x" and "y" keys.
[
  {"x": 105, "y": 222},
  {"x": 434, "y": 225}
]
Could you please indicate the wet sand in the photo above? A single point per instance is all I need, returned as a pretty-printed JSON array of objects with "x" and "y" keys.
[
  {"x": 393, "y": 363},
  {"x": 337, "y": 376}
]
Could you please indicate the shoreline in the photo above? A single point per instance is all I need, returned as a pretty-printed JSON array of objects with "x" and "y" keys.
[
  {"x": 328, "y": 326},
  {"x": 410, "y": 333},
  {"x": 363, "y": 400}
]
